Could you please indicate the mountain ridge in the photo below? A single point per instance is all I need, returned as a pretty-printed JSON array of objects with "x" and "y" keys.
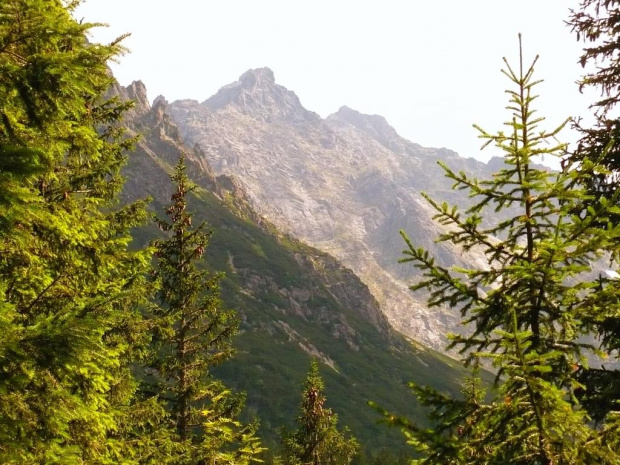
[
  {"x": 345, "y": 184},
  {"x": 294, "y": 302},
  {"x": 256, "y": 92}
]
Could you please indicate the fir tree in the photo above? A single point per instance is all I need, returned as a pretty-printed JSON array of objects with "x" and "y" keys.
[
  {"x": 70, "y": 288},
  {"x": 317, "y": 440},
  {"x": 526, "y": 308},
  {"x": 192, "y": 336}
]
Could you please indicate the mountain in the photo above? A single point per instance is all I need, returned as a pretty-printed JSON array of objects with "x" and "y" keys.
[
  {"x": 294, "y": 301},
  {"x": 345, "y": 184}
]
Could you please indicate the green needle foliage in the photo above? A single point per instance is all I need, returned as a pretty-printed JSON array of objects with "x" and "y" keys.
[
  {"x": 597, "y": 23},
  {"x": 69, "y": 287},
  {"x": 317, "y": 441},
  {"x": 192, "y": 335},
  {"x": 528, "y": 309}
]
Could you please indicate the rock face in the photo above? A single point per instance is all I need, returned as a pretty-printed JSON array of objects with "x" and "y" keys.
[
  {"x": 294, "y": 301},
  {"x": 257, "y": 93},
  {"x": 159, "y": 148},
  {"x": 345, "y": 184}
]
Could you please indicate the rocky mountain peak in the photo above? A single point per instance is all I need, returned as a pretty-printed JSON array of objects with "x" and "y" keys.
[
  {"x": 258, "y": 77},
  {"x": 137, "y": 91},
  {"x": 256, "y": 93},
  {"x": 160, "y": 100},
  {"x": 346, "y": 185}
]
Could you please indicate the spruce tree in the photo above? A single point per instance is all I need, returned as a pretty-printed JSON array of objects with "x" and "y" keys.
[
  {"x": 526, "y": 308},
  {"x": 596, "y": 23},
  {"x": 192, "y": 335},
  {"x": 317, "y": 440},
  {"x": 70, "y": 288}
]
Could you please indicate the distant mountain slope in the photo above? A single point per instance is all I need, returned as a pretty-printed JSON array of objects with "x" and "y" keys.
[
  {"x": 345, "y": 184},
  {"x": 294, "y": 301}
]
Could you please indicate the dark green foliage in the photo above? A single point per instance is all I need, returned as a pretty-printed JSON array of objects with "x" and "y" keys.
[
  {"x": 70, "y": 325},
  {"x": 317, "y": 441},
  {"x": 601, "y": 393},
  {"x": 267, "y": 361},
  {"x": 70, "y": 288},
  {"x": 597, "y": 23},
  {"x": 529, "y": 309},
  {"x": 192, "y": 335}
]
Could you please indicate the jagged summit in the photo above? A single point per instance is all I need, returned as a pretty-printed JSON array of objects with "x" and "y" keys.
[
  {"x": 160, "y": 100},
  {"x": 135, "y": 91},
  {"x": 346, "y": 184},
  {"x": 259, "y": 76},
  {"x": 257, "y": 93}
]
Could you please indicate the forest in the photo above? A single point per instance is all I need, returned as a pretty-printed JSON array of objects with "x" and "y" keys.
[{"x": 111, "y": 346}]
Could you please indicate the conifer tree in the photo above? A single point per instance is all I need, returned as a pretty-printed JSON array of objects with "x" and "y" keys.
[
  {"x": 192, "y": 335},
  {"x": 526, "y": 308},
  {"x": 596, "y": 23},
  {"x": 317, "y": 440},
  {"x": 69, "y": 286}
]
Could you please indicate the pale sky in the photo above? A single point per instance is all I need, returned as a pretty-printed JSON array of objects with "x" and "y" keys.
[{"x": 431, "y": 68}]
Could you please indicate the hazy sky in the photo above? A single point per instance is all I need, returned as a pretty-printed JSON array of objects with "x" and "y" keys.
[{"x": 431, "y": 67}]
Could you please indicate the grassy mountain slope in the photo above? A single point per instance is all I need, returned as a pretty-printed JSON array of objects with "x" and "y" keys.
[{"x": 294, "y": 301}]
